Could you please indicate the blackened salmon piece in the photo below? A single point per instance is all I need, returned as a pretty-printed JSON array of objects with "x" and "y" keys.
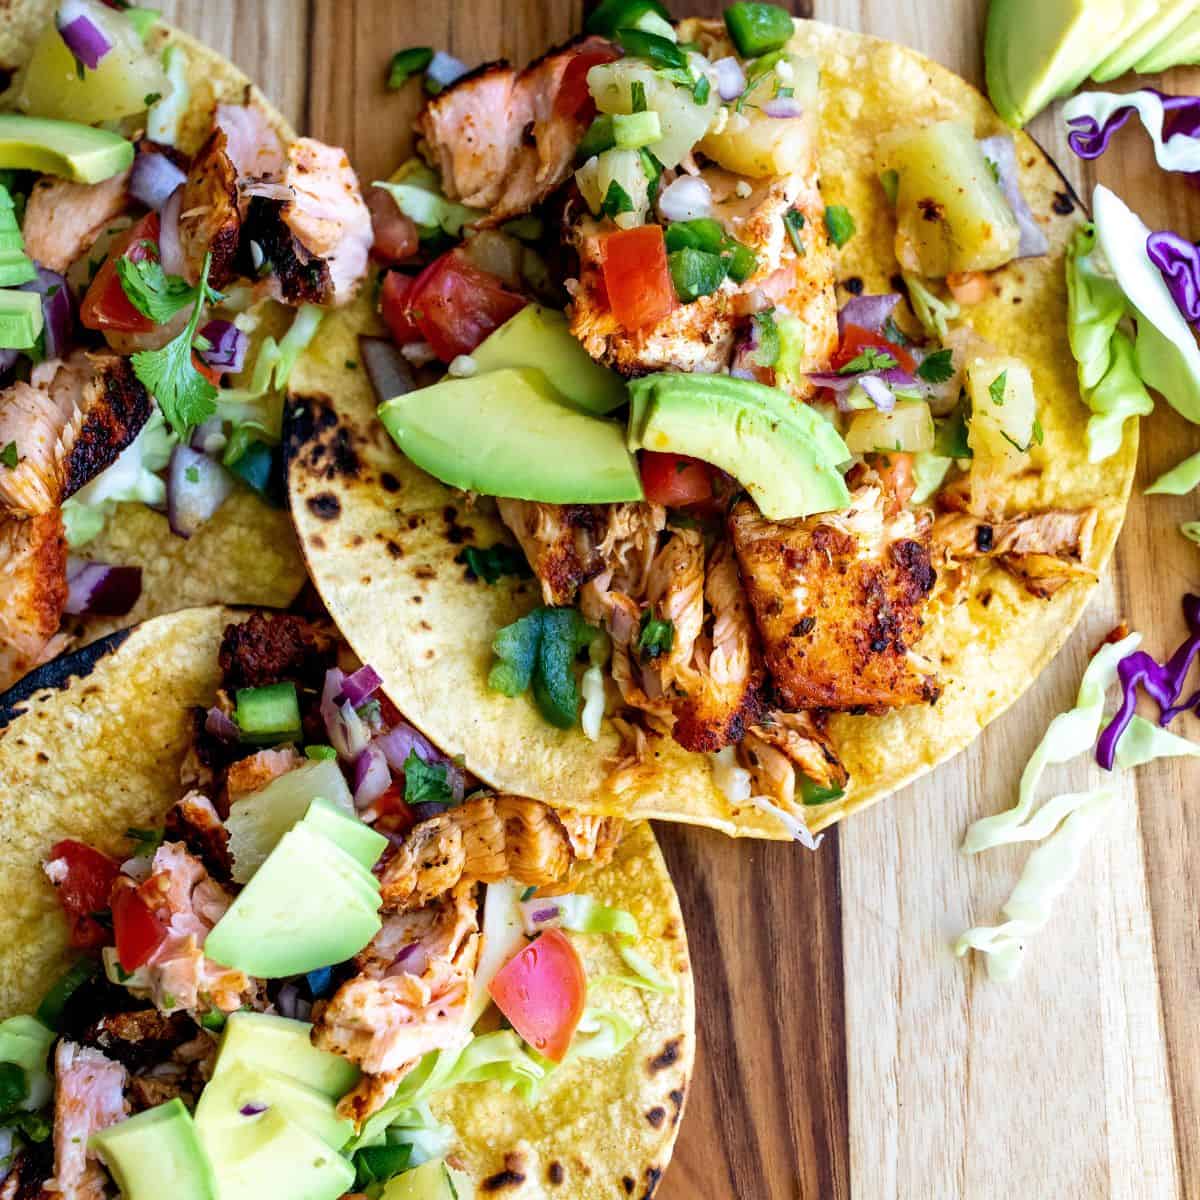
[
  {"x": 140, "y": 1039},
  {"x": 195, "y": 822},
  {"x": 210, "y": 220},
  {"x": 276, "y": 648},
  {"x": 303, "y": 277},
  {"x": 115, "y": 407}
]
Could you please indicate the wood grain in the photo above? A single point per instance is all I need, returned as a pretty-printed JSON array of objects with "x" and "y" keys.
[{"x": 844, "y": 1051}]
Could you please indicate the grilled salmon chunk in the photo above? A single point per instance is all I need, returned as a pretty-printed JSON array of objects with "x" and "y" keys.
[
  {"x": 88, "y": 1097},
  {"x": 499, "y": 137},
  {"x": 33, "y": 592},
  {"x": 838, "y": 600},
  {"x": 210, "y": 219},
  {"x": 68, "y": 431},
  {"x": 559, "y": 541},
  {"x": 64, "y": 219}
]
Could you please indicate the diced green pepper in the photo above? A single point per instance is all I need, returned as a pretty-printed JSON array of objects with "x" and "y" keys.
[
  {"x": 757, "y": 28},
  {"x": 695, "y": 273},
  {"x": 319, "y": 753},
  {"x": 260, "y": 467},
  {"x": 407, "y": 63},
  {"x": 813, "y": 793},
  {"x": 54, "y": 1002},
  {"x": 701, "y": 233},
  {"x": 611, "y": 15},
  {"x": 740, "y": 263},
  {"x": 268, "y": 714},
  {"x": 599, "y": 137},
  {"x": 634, "y": 130},
  {"x": 657, "y": 50}
]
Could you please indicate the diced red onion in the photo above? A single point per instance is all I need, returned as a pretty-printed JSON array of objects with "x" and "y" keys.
[
  {"x": 731, "y": 79},
  {"x": 537, "y": 915},
  {"x": 371, "y": 776},
  {"x": 100, "y": 589},
  {"x": 687, "y": 198},
  {"x": 400, "y": 741},
  {"x": 8, "y": 359},
  {"x": 361, "y": 686},
  {"x": 868, "y": 312},
  {"x": 253, "y": 1109},
  {"x": 348, "y": 733},
  {"x": 221, "y": 725},
  {"x": 58, "y": 310},
  {"x": 783, "y": 107},
  {"x": 445, "y": 68},
  {"x": 386, "y": 367},
  {"x": 197, "y": 486},
  {"x": 269, "y": 190},
  {"x": 228, "y": 346},
  {"x": 153, "y": 179},
  {"x": 412, "y": 960},
  {"x": 1002, "y": 150},
  {"x": 170, "y": 249},
  {"x": 86, "y": 41},
  {"x": 895, "y": 377},
  {"x": 287, "y": 1002},
  {"x": 881, "y": 395}
]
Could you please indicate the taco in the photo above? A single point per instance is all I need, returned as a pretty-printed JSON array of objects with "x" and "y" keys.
[
  {"x": 152, "y": 200},
  {"x": 801, "y": 465},
  {"x": 504, "y": 1001}
]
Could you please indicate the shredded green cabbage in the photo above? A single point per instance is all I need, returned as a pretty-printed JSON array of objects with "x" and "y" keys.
[
  {"x": 1108, "y": 378},
  {"x": 585, "y": 914},
  {"x": 601, "y": 1033},
  {"x": 134, "y": 476},
  {"x": 932, "y": 311},
  {"x": 429, "y": 209},
  {"x": 164, "y": 115},
  {"x": 1178, "y": 481},
  {"x": 929, "y": 470},
  {"x": 1191, "y": 531}
]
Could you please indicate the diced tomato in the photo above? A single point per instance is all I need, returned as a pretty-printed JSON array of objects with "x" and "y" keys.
[
  {"x": 636, "y": 278},
  {"x": 84, "y": 889},
  {"x": 574, "y": 99},
  {"x": 393, "y": 302},
  {"x": 895, "y": 470},
  {"x": 396, "y": 238},
  {"x": 106, "y": 306},
  {"x": 452, "y": 305},
  {"x": 136, "y": 927},
  {"x": 212, "y": 374},
  {"x": 542, "y": 991},
  {"x": 856, "y": 339},
  {"x": 395, "y": 813},
  {"x": 675, "y": 480}
]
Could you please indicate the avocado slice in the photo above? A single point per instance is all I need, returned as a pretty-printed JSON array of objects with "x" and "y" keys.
[
  {"x": 242, "y": 1086},
  {"x": 1180, "y": 47},
  {"x": 65, "y": 148},
  {"x": 281, "y": 1044},
  {"x": 346, "y": 831},
  {"x": 509, "y": 433},
  {"x": 21, "y": 319},
  {"x": 302, "y": 910},
  {"x": 269, "y": 1155},
  {"x": 256, "y": 822},
  {"x": 1162, "y": 24},
  {"x": 540, "y": 337},
  {"x": 1036, "y": 50},
  {"x": 435, "y": 1180},
  {"x": 786, "y": 456},
  {"x": 156, "y": 1154}
]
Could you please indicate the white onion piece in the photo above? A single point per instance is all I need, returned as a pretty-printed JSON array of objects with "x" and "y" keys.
[
  {"x": 170, "y": 249},
  {"x": 371, "y": 777},
  {"x": 445, "y": 68},
  {"x": 731, "y": 79},
  {"x": 154, "y": 179},
  {"x": 784, "y": 108},
  {"x": 196, "y": 487},
  {"x": 881, "y": 395},
  {"x": 686, "y": 199}
]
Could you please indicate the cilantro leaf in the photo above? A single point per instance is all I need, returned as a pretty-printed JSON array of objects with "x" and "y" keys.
[
  {"x": 153, "y": 292},
  {"x": 997, "y": 388},
  {"x": 840, "y": 224},
  {"x": 871, "y": 359},
  {"x": 145, "y": 841},
  {"x": 33, "y": 1127},
  {"x": 426, "y": 783},
  {"x": 9, "y": 456},
  {"x": 937, "y": 367},
  {"x": 491, "y": 563},
  {"x": 793, "y": 222},
  {"x": 637, "y": 95},
  {"x": 701, "y": 90},
  {"x": 170, "y": 376},
  {"x": 655, "y": 637},
  {"x": 616, "y": 200}
]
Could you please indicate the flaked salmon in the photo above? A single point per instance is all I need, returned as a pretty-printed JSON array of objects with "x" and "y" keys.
[
  {"x": 64, "y": 219},
  {"x": 33, "y": 592},
  {"x": 88, "y": 1097}
]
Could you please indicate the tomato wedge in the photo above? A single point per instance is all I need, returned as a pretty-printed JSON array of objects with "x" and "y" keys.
[
  {"x": 83, "y": 880},
  {"x": 396, "y": 238},
  {"x": 573, "y": 98},
  {"x": 542, "y": 991},
  {"x": 452, "y": 305},
  {"x": 674, "y": 480},
  {"x": 106, "y": 306},
  {"x": 636, "y": 277},
  {"x": 136, "y": 927},
  {"x": 856, "y": 339}
]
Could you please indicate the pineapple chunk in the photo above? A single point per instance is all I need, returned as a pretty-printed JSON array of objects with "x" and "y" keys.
[
  {"x": 623, "y": 167},
  {"x": 1003, "y": 413},
  {"x": 951, "y": 214},
  {"x": 907, "y": 428}
]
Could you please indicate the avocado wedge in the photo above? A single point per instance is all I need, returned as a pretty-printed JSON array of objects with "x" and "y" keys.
[
  {"x": 1163, "y": 24},
  {"x": 1180, "y": 47},
  {"x": 68, "y": 149}
]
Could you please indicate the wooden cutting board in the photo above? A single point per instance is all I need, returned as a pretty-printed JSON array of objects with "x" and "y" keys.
[{"x": 844, "y": 1051}]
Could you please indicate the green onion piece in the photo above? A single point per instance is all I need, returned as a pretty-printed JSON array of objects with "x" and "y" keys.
[
  {"x": 658, "y": 50},
  {"x": 793, "y": 222},
  {"x": 840, "y": 224},
  {"x": 611, "y": 15},
  {"x": 616, "y": 200},
  {"x": 407, "y": 63},
  {"x": 268, "y": 714},
  {"x": 598, "y": 138},
  {"x": 54, "y": 1002},
  {"x": 813, "y": 793},
  {"x": 635, "y": 130},
  {"x": 695, "y": 273},
  {"x": 757, "y": 28},
  {"x": 701, "y": 90},
  {"x": 214, "y": 1019},
  {"x": 653, "y": 170}
]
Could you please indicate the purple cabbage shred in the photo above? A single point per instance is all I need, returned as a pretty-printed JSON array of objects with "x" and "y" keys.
[
  {"x": 1178, "y": 261},
  {"x": 1089, "y": 139}
]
